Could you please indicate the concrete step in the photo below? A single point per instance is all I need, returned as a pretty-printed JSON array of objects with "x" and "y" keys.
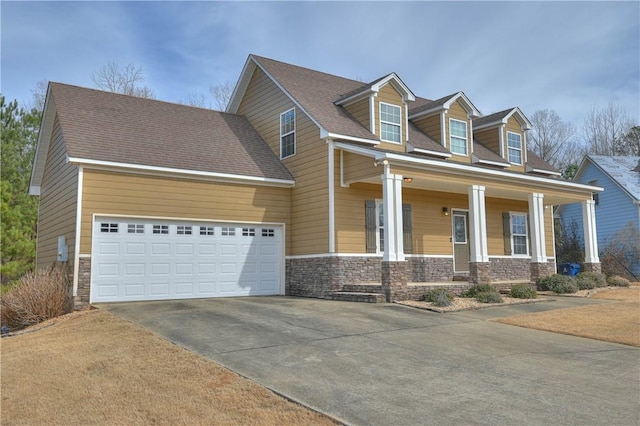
[
  {"x": 352, "y": 296},
  {"x": 362, "y": 288}
]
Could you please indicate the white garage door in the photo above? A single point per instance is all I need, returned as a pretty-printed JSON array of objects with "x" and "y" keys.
[{"x": 137, "y": 259}]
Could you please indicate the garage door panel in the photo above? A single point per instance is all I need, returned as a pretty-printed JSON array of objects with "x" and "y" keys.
[{"x": 149, "y": 259}]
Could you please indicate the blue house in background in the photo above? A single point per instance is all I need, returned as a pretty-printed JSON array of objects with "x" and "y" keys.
[{"x": 616, "y": 207}]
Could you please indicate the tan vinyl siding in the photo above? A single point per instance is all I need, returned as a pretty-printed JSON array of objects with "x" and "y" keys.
[
  {"x": 431, "y": 229},
  {"x": 262, "y": 105},
  {"x": 489, "y": 138},
  {"x": 360, "y": 111},
  {"x": 549, "y": 238},
  {"x": 356, "y": 167},
  {"x": 457, "y": 112},
  {"x": 389, "y": 95},
  {"x": 113, "y": 193},
  {"x": 514, "y": 127},
  {"x": 494, "y": 208},
  {"x": 430, "y": 126},
  {"x": 58, "y": 202}
]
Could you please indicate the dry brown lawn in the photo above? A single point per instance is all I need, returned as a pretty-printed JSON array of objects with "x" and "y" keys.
[
  {"x": 618, "y": 321},
  {"x": 94, "y": 368}
]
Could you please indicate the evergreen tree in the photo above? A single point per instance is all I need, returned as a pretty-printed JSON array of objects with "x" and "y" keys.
[{"x": 19, "y": 210}]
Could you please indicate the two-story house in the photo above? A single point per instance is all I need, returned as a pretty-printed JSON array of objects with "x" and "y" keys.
[{"x": 310, "y": 184}]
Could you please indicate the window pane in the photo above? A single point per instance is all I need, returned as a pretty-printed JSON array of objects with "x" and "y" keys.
[
  {"x": 519, "y": 244},
  {"x": 514, "y": 143},
  {"x": 288, "y": 145},
  {"x": 390, "y": 132},
  {"x": 518, "y": 225},
  {"x": 460, "y": 229},
  {"x": 459, "y": 146},
  {"x": 458, "y": 128},
  {"x": 390, "y": 113}
]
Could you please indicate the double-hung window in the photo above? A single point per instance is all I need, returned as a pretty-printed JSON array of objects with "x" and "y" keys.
[
  {"x": 458, "y": 136},
  {"x": 514, "y": 145},
  {"x": 390, "y": 128},
  {"x": 519, "y": 237},
  {"x": 288, "y": 133}
]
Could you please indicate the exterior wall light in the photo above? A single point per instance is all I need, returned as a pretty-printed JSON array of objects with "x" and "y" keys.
[
  {"x": 445, "y": 211},
  {"x": 407, "y": 180}
]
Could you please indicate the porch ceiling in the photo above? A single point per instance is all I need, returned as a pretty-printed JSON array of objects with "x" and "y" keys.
[{"x": 507, "y": 187}]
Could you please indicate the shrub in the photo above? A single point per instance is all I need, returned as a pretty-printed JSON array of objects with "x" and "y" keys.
[
  {"x": 489, "y": 297},
  {"x": 522, "y": 291},
  {"x": 39, "y": 296},
  {"x": 477, "y": 288},
  {"x": 588, "y": 280},
  {"x": 548, "y": 283},
  {"x": 617, "y": 281},
  {"x": 439, "y": 297}
]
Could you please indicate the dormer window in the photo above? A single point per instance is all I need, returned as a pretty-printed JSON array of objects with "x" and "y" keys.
[
  {"x": 458, "y": 136},
  {"x": 288, "y": 133},
  {"x": 514, "y": 145},
  {"x": 390, "y": 129}
]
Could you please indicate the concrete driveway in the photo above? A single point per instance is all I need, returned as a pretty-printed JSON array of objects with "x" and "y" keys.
[{"x": 386, "y": 364}]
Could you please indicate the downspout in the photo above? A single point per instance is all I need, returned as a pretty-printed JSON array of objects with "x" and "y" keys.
[
  {"x": 76, "y": 253},
  {"x": 332, "y": 225}
]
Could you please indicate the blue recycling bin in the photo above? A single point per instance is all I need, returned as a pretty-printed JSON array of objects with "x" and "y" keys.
[{"x": 570, "y": 269}]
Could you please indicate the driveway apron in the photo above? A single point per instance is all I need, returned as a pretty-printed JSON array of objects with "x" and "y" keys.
[{"x": 387, "y": 364}]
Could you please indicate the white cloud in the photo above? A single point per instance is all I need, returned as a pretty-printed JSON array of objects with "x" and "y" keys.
[{"x": 566, "y": 56}]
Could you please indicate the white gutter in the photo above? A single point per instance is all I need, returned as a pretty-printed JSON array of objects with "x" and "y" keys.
[
  {"x": 168, "y": 170},
  {"x": 459, "y": 168}
]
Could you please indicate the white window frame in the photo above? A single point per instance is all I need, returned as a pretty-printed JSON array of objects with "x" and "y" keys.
[
  {"x": 513, "y": 234},
  {"x": 389, "y": 123},
  {"x": 284, "y": 134},
  {"x": 509, "y": 148},
  {"x": 379, "y": 226},
  {"x": 466, "y": 138}
]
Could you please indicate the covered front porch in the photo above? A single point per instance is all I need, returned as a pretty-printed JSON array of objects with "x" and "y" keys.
[{"x": 438, "y": 223}]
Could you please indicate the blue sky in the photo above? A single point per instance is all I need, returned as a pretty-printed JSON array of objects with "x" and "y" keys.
[{"x": 567, "y": 56}]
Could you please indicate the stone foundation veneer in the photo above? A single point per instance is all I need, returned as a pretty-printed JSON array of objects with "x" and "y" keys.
[
  {"x": 479, "y": 273},
  {"x": 394, "y": 280},
  {"x": 592, "y": 267},
  {"x": 81, "y": 300},
  {"x": 539, "y": 270},
  {"x": 510, "y": 269},
  {"x": 429, "y": 269}
]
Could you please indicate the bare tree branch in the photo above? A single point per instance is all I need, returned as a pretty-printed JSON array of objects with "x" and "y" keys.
[
  {"x": 553, "y": 139},
  {"x": 125, "y": 80},
  {"x": 604, "y": 130},
  {"x": 221, "y": 93}
]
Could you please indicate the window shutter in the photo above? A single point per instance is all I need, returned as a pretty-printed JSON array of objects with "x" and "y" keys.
[
  {"x": 407, "y": 228},
  {"x": 370, "y": 225},
  {"x": 506, "y": 232}
]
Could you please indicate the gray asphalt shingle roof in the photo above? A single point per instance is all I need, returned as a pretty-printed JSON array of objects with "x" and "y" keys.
[
  {"x": 111, "y": 127},
  {"x": 623, "y": 170}
]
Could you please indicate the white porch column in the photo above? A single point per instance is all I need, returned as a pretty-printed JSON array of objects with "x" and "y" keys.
[
  {"x": 536, "y": 219},
  {"x": 479, "y": 251},
  {"x": 392, "y": 205},
  {"x": 590, "y": 235}
]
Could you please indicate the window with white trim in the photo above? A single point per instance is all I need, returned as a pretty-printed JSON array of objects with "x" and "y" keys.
[
  {"x": 135, "y": 228},
  {"x": 514, "y": 147},
  {"x": 228, "y": 232},
  {"x": 288, "y": 133},
  {"x": 248, "y": 232},
  {"x": 519, "y": 234},
  {"x": 207, "y": 230},
  {"x": 268, "y": 232},
  {"x": 184, "y": 230},
  {"x": 161, "y": 229},
  {"x": 458, "y": 136},
  {"x": 390, "y": 128},
  {"x": 108, "y": 227},
  {"x": 380, "y": 225}
]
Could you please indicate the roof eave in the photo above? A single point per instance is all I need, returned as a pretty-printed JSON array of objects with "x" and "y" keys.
[{"x": 170, "y": 171}]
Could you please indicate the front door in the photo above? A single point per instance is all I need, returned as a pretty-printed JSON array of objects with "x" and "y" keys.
[{"x": 460, "y": 237}]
